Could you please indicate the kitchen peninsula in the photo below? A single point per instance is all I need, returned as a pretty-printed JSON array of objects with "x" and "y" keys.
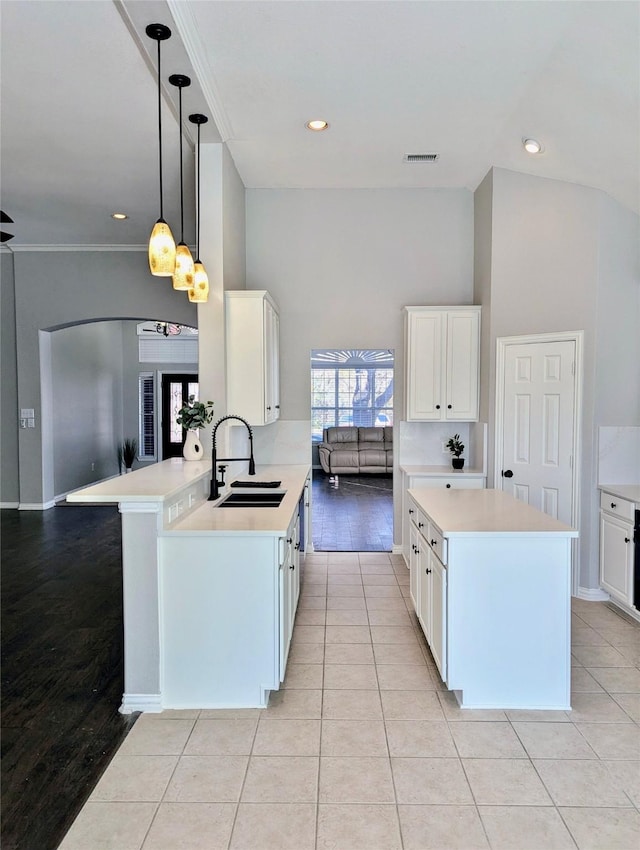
[
  {"x": 210, "y": 592},
  {"x": 490, "y": 580}
]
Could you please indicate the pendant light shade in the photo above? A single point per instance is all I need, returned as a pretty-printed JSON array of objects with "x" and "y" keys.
[
  {"x": 183, "y": 273},
  {"x": 199, "y": 293},
  {"x": 162, "y": 246}
]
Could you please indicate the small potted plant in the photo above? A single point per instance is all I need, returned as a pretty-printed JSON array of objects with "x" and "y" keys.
[
  {"x": 192, "y": 416},
  {"x": 127, "y": 452},
  {"x": 456, "y": 447}
]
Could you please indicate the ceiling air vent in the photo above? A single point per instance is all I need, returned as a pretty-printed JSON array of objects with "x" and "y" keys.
[{"x": 421, "y": 157}]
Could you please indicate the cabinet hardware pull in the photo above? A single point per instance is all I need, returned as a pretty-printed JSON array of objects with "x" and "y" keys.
[
  {"x": 626, "y": 539},
  {"x": 268, "y": 407},
  {"x": 410, "y": 510},
  {"x": 613, "y": 505},
  {"x": 289, "y": 540},
  {"x": 437, "y": 407},
  {"x": 277, "y": 407},
  {"x": 417, "y": 551},
  {"x": 297, "y": 546},
  {"x": 507, "y": 473},
  {"x": 427, "y": 571},
  {"x": 420, "y": 525},
  {"x": 292, "y": 567},
  {"x": 449, "y": 406},
  {"x": 448, "y": 486},
  {"x": 434, "y": 542}
]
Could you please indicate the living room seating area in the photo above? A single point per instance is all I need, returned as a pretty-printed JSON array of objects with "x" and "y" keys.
[{"x": 351, "y": 450}]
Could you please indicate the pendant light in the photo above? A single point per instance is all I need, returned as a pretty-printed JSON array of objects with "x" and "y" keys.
[
  {"x": 199, "y": 293},
  {"x": 183, "y": 274},
  {"x": 162, "y": 246}
]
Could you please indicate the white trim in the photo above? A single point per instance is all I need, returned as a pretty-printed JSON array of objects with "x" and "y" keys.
[
  {"x": 577, "y": 337},
  {"x": 139, "y": 507},
  {"x": 36, "y": 506},
  {"x": 75, "y": 248},
  {"x": 592, "y": 594},
  {"x": 397, "y": 549},
  {"x": 151, "y": 703},
  {"x": 4, "y": 505}
]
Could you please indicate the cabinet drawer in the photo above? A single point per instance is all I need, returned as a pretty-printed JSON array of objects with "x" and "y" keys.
[
  {"x": 457, "y": 482},
  {"x": 438, "y": 543},
  {"x": 619, "y": 507}
]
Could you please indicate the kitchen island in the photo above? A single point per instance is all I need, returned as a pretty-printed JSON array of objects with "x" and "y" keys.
[
  {"x": 491, "y": 585},
  {"x": 210, "y": 592}
]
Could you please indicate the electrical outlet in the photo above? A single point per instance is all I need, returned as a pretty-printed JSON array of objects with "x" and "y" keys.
[{"x": 93, "y": 467}]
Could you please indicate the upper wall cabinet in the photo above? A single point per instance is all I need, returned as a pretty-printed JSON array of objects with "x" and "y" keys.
[
  {"x": 252, "y": 328},
  {"x": 442, "y": 355}
]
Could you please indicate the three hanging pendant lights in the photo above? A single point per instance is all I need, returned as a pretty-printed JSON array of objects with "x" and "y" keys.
[{"x": 165, "y": 258}]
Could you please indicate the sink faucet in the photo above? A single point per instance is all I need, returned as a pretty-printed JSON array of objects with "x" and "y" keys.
[{"x": 215, "y": 484}]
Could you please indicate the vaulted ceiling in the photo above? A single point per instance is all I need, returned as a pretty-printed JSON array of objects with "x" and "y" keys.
[{"x": 465, "y": 80}]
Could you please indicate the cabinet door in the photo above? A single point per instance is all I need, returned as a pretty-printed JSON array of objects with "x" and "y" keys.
[
  {"x": 438, "y": 638},
  {"x": 294, "y": 570},
  {"x": 463, "y": 335},
  {"x": 424, "y": 366},
  {"x": 424, "y": 588},
  {"x": 616, "y": 557},
  {"x": 284, "y": 618},
  {"x": 413, "y": 565},
  {"x": 271, "y": 364}
]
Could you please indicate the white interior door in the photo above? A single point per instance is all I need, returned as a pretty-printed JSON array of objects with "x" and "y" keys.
[{"x": 538, "y": 416}]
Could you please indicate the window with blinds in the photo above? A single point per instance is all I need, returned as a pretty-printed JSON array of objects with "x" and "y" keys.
[{"x": 147, "y": 418}]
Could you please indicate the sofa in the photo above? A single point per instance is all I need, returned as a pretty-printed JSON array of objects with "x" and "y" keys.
[{"x": 351, "y": 451}]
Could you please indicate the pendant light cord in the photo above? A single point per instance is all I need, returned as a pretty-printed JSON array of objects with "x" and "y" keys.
[
  {"x": 198, "y": 201},
  {"x": 181, "y": 185},
  {"x": 160, "y": 133}
]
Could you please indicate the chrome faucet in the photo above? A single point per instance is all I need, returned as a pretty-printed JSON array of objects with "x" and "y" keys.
[{"x": 215, "y": 484}]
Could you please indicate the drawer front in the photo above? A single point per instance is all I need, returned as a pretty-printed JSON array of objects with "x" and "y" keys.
[
  {"x": 455, "y": 482},
  {"x": 438, "y": 543},
  {"x": 618, "y": 507}
]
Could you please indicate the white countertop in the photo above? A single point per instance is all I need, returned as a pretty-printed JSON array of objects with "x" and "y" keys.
[
  {"x": 156, "y": 482},
  {"x": 210, "y": 519},
  {"x": 623, "y": 491},
  {"x": 438, "y": 471},
  {"x": 459, "y": 513}
]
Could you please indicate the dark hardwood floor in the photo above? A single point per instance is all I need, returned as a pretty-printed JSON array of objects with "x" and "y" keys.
[
  {"x": 62, "y": 667},
  {"x": 352, "y": 513}
]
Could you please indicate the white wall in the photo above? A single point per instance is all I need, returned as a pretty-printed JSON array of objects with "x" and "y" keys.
[
  {"x": 9, "y": 479},
  {"x": 341, "y": 264}
]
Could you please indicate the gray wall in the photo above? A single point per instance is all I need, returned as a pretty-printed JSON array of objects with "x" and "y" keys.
[
  {"x": 86, "y": 370},
  {"x": 341, "y": 264},
  {"x": 59, "y": 288},
  {"x": 549, "y": 255},
  {"x": 9, "y": 478}
]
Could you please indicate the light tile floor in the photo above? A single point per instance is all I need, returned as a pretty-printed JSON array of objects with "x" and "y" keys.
[{"x": 364, "y": 749}]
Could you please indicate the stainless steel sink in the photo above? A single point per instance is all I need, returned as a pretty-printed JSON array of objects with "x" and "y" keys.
[{"x": 252, "y": 500}]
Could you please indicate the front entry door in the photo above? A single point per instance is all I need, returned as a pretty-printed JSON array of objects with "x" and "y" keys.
[
  {"x": 539, "y": 397},
  {"x": 176, "y": 389}
]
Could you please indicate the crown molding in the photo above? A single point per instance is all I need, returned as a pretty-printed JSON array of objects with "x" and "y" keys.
[
  {"x": 77, "y": 248},
  {"x": 196, "y": 51}
]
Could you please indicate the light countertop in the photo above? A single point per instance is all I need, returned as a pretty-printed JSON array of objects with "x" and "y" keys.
[
  {"x": 210, "y": 519},
  {"x": 623, "y": 491},
  {"x": 439, "y": 471},
  {"x": 157, "y": 482},
  {"x": 459, "y": 513}
]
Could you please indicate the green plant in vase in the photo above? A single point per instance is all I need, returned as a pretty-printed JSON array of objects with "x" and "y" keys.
[
  {"x": 456, "y": 447},
  {"x": 192, "y": 416},
  {"x": 127, "y": 453}
]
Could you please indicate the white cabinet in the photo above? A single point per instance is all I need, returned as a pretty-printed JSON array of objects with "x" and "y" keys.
[
  {"x": 442, "y": 356},
  {"x": 428, "y": 585},
  {"x": 616, "y": 546},
  {"x": 455, "y": 481},
  {"x": 252, "y": 328}
]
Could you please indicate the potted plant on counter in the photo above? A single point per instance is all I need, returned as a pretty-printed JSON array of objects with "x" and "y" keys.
[
  {"x": 192, "y": 416},
  {"x": 456, "y": 447},
  {"x": 127, "y": 452}
]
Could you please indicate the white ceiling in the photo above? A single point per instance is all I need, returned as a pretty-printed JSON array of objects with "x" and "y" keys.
[{"x": 466, "y": 80}]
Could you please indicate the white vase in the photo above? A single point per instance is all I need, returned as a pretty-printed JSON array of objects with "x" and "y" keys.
[{"x": 192, "y": 449}]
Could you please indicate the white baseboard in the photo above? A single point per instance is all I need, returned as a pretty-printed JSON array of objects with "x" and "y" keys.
[
  {"x": 36, "y": 506},
  {"x": 13, "y": 505},
  {"x": 625, "y": 609},
  {"x": 396, "y": 549},
  {"x": 593, "y": 594},
  {"x": 151, "y": 703}
]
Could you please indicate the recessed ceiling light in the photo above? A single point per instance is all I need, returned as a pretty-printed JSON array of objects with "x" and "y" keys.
[
  {"x": 317, "y": 125},
  {"x": 532, "y": 146},
  {"x": 119, "y": 216}
]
